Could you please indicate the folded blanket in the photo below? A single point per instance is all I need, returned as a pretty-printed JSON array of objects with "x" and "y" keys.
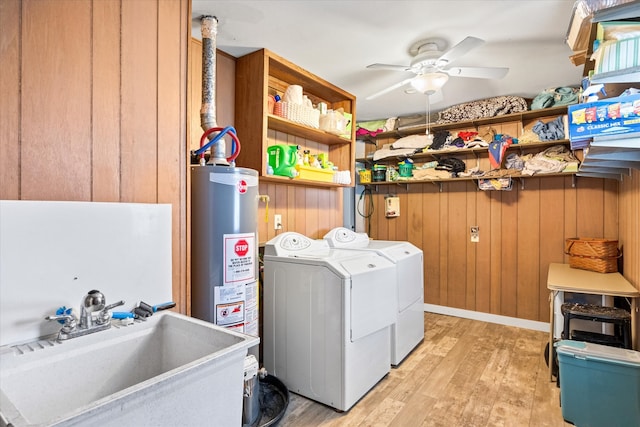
[
  {"x": 555, "y": 97},
  {"x": 490, "y": 107},
  {"x": 413, "y": 141},
  {"x": 552, "y": 160},
  {"x": 386, "y": 152},
  {"x": 372, "y": 125},
  {"x": 431, "y": 174}
]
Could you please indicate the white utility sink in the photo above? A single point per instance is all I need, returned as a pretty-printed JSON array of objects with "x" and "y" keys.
[{"x": 168, "y": 370}]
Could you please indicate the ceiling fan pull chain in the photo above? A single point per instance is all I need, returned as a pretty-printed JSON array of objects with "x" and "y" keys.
[{"x": 428, "y": 115}]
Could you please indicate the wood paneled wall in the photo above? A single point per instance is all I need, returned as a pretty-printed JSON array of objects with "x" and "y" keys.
[
  {"x": 311, "y": 211},
  {"x": 521, "y": 232},
  {"x": 93, "y": 106}
]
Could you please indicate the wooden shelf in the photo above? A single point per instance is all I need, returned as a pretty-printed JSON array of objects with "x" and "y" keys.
[
  {"x": 514, "y": 117},
  {"x": 435, "y": 154},
  {"x": 263, "y": 73},
  {"x": 298, "y": 181},
  {"x": 515, "y": 175},
  {"x": 283, "y": 125}
]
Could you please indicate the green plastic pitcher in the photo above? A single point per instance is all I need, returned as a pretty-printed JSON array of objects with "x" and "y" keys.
[{"x": 282, "y": 159}]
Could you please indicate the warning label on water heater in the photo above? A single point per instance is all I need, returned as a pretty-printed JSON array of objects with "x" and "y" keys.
[
  {"x": 237, "y": 307},
  {"x": 239, "y": 258},
  {"x": 230, "y": 305}
]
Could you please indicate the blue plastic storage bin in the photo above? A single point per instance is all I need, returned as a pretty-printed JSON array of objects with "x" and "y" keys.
[{"x": 599, "y": 385}]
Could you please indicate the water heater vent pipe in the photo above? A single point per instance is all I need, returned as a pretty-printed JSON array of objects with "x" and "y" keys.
[{"x": 209, "y": 27}]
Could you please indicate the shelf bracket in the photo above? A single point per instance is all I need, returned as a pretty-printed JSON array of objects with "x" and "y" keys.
[
  {"x": 439, "y": 184},
  {"x": 573, "y": 181},
  {"x": 521, "y": 184}
]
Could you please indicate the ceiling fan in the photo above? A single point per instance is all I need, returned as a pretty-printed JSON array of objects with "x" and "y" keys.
[{"x": 430, "y": 64}]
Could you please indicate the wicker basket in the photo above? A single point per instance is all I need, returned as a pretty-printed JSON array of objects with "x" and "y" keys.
[
  {"x": 599, "y": 255},
  {"x": 298, "y": 113}
]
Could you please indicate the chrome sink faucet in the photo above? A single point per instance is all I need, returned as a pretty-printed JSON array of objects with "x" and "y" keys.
[{"x": 95, "y": 316}]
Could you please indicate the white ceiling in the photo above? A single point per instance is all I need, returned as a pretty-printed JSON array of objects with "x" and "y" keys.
[{"x": 336, "y": 40}]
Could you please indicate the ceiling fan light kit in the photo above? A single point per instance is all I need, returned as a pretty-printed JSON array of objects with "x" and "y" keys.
[
  {"x": 429, "y": 83},
  {"x": 430, "y": 66}
]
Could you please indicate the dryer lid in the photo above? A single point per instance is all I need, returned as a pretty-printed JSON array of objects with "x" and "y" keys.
[
  {"x": 341, "y": 237},
  {"x": 295, "y": 244}
]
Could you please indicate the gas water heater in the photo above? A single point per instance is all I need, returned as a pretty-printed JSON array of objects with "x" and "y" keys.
[
  {"x": 224, "y": 246},
  {"x": 224, "y": 211}
]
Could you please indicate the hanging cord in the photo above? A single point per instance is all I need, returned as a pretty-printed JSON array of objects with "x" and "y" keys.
[
  {"x": 265, "y": 198},
  {"x": 366, "y": 213},
  {"x": 428, "y": 115}
]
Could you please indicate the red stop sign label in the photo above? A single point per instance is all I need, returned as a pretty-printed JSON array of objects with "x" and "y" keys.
[
  {"x": 242, "y": 186},
  {"x": 241, "y": 248}
]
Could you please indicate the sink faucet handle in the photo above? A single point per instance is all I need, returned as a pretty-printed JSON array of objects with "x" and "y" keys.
[
  {"x": 105, "y": 315},
  {"x": 114, "y": 305},
  {"x": 65, "y": 317},
  {"x": 70, "y": 321}
]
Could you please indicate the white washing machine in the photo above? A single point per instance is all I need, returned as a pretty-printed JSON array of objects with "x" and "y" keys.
[
  {"x": 408, "y": 330},
  {"x": 327, "y": 318}
]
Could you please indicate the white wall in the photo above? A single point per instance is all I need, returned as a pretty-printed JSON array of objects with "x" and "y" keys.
[{"x": 53, "y": 253}]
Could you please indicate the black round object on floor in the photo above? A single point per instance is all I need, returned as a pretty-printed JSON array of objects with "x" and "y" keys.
[
  {"x": 554, "y": 368},
  {"x": 274, "y": 399}
]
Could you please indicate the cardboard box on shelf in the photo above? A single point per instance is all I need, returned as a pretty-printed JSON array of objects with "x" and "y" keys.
[
  {"x": 314, "y": 174},
  {"x": 616, "y": 55},
  {"x": 610, "y": 116},
  {"x": 579, "y": 28},
  {"x": 617, "y": 30}
]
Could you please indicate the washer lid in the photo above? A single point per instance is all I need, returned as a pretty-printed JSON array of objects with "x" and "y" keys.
[
  {"x": 341, "y": 237},
  {"x": 295, "y": 244}
]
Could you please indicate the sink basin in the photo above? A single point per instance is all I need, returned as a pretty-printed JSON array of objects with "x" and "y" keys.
[{"x": 168, "y": 370}]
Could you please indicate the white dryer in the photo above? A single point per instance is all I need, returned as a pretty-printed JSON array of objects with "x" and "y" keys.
[
  {"x": 327, "y": 317},
  {"x": 408, "y": 330}
]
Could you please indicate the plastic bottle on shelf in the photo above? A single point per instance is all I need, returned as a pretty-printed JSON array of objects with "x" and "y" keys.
[
  {"x": 277, "y": 107},
  {"x": 271, "y": 103},
  {"x": 300, "y": 160}
]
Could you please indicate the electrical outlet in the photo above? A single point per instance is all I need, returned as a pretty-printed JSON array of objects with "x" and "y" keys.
[
  {"x": 277, "y": 222},
  {"x": 475, "y": 234}
]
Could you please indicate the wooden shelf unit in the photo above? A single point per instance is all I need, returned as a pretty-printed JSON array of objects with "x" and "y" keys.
[
  {"x": 263, "y": 73},
  {"x": 514, "y": 123}
]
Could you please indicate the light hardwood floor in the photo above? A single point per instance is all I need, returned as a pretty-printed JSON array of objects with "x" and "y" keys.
[{"x": 465, "y": 373}]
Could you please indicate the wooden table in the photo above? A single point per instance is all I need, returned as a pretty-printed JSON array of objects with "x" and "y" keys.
[{"x": 562, "y": 278}]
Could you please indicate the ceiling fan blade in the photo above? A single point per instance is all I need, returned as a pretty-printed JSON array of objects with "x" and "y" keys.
[
  {"x": 478, "y": 72},
  {"x": 460, "y": 49},
  {"x": 389, "y": 89},
  {"x": 389, "y": 67}
]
